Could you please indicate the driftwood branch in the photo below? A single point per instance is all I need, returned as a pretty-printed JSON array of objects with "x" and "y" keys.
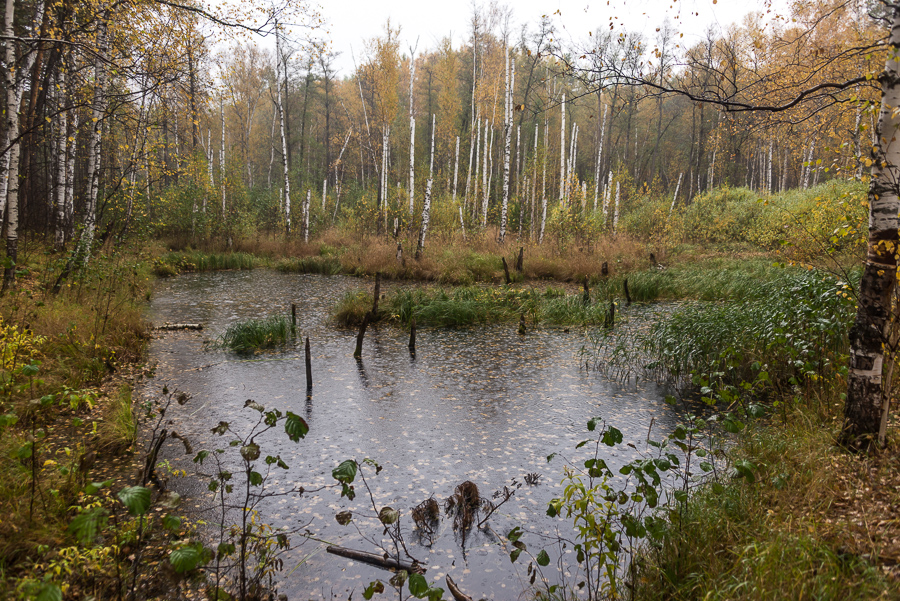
[
  {"x": 379, "y": 561},
  {"x": 454, "y": 590},
  {"x": 180, "y": 326}
]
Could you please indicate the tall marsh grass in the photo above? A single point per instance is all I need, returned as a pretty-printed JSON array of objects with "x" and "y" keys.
[
  {"x": 469, "y": 305},
  {"x": 256, "y": 334},
  {"x": 792, "y": 328}
]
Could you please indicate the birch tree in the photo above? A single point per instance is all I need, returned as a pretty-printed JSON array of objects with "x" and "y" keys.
[
  {"x": 866, "y": 394},
  {"x": 507, "y": 134}
]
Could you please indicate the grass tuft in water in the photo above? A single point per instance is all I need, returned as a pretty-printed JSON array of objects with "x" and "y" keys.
[
  {"x": 174, "y": 263},
  {"x": 324, "y": 265},
  {"x": 256, "y": 334}
]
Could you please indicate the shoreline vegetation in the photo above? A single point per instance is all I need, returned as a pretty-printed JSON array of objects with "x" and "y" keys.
[{"x": 764, "y": 341}]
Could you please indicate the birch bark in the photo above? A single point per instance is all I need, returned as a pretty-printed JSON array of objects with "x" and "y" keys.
[{"x": 869, "y": 334}]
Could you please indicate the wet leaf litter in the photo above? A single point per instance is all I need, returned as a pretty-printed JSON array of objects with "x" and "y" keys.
[{"x": 481, "y": 404}]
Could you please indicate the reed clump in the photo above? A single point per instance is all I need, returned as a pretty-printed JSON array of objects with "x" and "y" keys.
[
  {"x": 256, "y": 334},
  {"x": 174, "y": 263}
]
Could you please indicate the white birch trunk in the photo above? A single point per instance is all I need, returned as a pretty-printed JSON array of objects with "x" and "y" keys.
[
  {"x": 69, "y": 203},
  {"x": 284, "y": 150},
  {"x": 455, "y": 169},
  {"x": 62, "y": 160},
  {"x": 675, "y": 197},
  {"x": 599, "y": 158},
  {"x": 426, "y": 208},
  {"x": 544, "y": 183},
  {"x": 606, "y": 198},
  {"x": 412, "y": 159},
  {"x": 222, "y": 153},
  {"x": 306, "y": 217},
  {"x": 93, "y": 174},
  {"x": 562, "y": 151},
  {"x": 866, "y": 394},
  {"x": 507, "y": 132},
  {"x": 616, "y": 211},
  {"x": 271, "y": 152},
  {"x": 485, "y": 172}
]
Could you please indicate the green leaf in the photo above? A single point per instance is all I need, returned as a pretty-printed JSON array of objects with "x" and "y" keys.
[
  {"x": 49, "y": 592},
  {"x": 86, "y": 526},
  {"x": 611, "y": 437},
  {"x": 171, "y": 522},
  {"x": 250, "y": 452},
  {"x": 187, "y": 558},
  {"x": 24, "y": 451},
  {"x": 345, "y": 473},
  {"x": 30, "y": 370},
  {"x": 592, "y": 423},
  {"x": 514, "y": 534},
  {"x": 8, "y": 419},
  {"x": 388, "y": 515},
  {"x": 201, "y": 456},
  {"x": 515, "y": 555},
  {"x": 225, "y": 549},
  {"x": 543, "y": 559},
  {"x": 220, "y": 429},
  {"x": 344, "y": 517},
  {"x": 295, "y": 427},
  {"x": 256, "y": 478},
  {"x": 136, "y": 499},
  {"x": 94, "y": 487},
  {"x": 550, "y": 457},
  {"x": 374, "y": 587},
  {"x": 418, "y": 586}
]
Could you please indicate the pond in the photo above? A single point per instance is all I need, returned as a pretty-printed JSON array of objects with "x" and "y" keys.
[{"x": 483, "y": 404}]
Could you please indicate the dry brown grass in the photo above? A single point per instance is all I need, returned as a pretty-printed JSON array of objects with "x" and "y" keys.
[{"x": 450, "y": 259}]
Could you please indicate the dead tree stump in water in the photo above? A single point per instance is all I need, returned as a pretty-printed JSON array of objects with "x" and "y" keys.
[
  {"x": 506, "y": 271},
  {"x": 521, "y": 259},
  {"x": 611, "y": 316},
  {"x": 308, "y": 367},
  {"x": 604, "y": 269},
  {"x": 522, "y": 329},
  {"x": 412, "y": 336},
  {"x": 586, "y": 299},
  {"x": 377, "y": 294},
  {"x": 627, "y": 295},
  {"x": 359, "y": 337},
  {"x": 293, "y": 316}
]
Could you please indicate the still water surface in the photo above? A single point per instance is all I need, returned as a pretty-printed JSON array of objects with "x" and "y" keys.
[{"x": 480, "y": 403}]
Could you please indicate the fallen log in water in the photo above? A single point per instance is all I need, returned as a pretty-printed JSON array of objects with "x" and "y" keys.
[
  {"x": 180, "y": 326},
  {"x": 379, "y": 561}
]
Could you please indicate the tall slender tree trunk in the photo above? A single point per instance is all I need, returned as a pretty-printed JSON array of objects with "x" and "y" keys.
[
  {"x": 544, "y": 183},
  {"x": 97, "y": 110},
  {"x": 426, "y": 208},
  {"x": 284, "y": 141},
  {"x": 412, "y": 133},
  {"x": 562, "y": 150},
  {"x": 599, "y": 152},
  {"x": 222, "y": 153},
  {"x": 507, "y": 133},
  {"x": 62, "y": 160},
  {"x": 869, "y": 334},
  {"x": 455, "y": 169}
]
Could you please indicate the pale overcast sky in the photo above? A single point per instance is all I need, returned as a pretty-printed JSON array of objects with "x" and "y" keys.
[{"x": 350, "y": 22}]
